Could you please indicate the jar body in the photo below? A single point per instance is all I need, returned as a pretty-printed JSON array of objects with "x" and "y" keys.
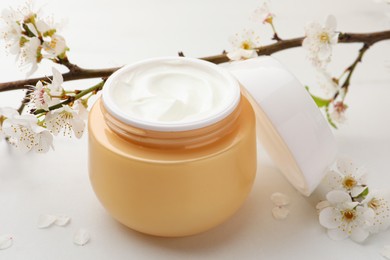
[{"x": 172, "y": 192}]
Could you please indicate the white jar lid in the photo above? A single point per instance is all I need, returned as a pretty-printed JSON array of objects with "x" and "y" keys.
[{"x": 290, "y": 126}]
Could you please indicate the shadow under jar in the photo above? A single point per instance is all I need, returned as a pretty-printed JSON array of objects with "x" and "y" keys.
[{"x": 172, "y": 177}]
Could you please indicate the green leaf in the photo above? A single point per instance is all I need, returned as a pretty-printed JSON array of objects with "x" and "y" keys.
[{"x": 320, "y": 102}]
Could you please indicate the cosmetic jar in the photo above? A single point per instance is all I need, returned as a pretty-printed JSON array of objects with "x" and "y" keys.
[{"x": 172, "y": 146}]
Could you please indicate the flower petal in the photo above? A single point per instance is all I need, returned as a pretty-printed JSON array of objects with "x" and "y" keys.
[
  {"x": 280, "y": 212},
  {"x": 324, "y": 52},
  {"x": 331, "y": 22},
  {"x": 280, "y": 199},
  {"x": 62, "y": 221},
  {"x": 328, "y": 218},
  {"x": 338, "y": 196},
  {"x": 346, "y": 166},
  {"x": 6, "y": 241},
  {"x": 46, "y": 220},
  {"x": 334, "y": 179},
  {"x": 337, "y": 234},
  {"x": 81, "y": 237},
  {"x": 357, "y": 190},
  {"x": 359, "y": 234}
]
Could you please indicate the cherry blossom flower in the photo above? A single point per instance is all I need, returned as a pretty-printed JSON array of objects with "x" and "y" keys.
[
  {"x": 345, "y": 218},
  {"x": 348, "y": 177},
  {"x": 243, "y": 46},
  {"x": 319, "y": 40},
  {"x": 46, "y": 95},
  {"x": 337, "y": 112},
  {"x": 67, "y": 120},
  {"x": 55, "y": 47},
  {"x": 263, "y": 14},
  {"x": 381, "y": 207},
  {"x": 31, "y": 38},
  {"x": 25, "y": 133}
]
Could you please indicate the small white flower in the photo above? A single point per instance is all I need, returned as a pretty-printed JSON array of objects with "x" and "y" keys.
[
  {"x": 263, "y": 14},
  {"x": 345, "y": 218},
  {"x": 55, "y": 47},
  {"x": 41, "y": 97},
  {"x": 337, "y": 112},
  {"x": 31, "y": 55},
  {"x": 348, "y": 177},
  {"x": 380, "y": 205},
  {"x": 319, "y": 40},
  {"x": 67, "y": 119},
  {"x": 243, "y": 46},
  {"x": 25, "y": 133}
]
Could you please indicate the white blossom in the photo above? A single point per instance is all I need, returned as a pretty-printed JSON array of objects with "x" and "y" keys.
[
  {"x": 377, "y": 202},
  {"x": 319, "y": 40},
  {"x": 263, "y": 14},
  {"x": 41, "y": 97},
  {"x": 337, "y": 112},
  {"x": 67, "y": 120},
  {"x": 243, "y": 46},
  {"x": 48, "y": 94},
  {"x": 345, "y": 218},
  {"x": 55, "y": 47},
  {"x": 25, "y": 133},
  {"x": 347, "y": 177}
]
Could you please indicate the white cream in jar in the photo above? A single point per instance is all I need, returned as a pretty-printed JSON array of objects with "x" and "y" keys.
[{"x": 172, "y": 94}]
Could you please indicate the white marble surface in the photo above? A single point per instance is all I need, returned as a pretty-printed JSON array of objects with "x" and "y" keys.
[{"x": 110, "y": 33}]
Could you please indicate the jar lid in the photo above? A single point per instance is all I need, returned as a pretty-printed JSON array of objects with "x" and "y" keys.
[{"x": 289, "y": 124}]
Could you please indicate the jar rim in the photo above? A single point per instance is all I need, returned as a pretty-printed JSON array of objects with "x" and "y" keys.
[{"x": 231, "y": 104}]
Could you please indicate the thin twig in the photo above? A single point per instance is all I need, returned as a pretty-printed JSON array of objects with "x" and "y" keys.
[{"x": 76, "y": 72}]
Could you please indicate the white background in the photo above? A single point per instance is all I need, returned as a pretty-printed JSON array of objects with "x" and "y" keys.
[{"x": 112, "y": 33}]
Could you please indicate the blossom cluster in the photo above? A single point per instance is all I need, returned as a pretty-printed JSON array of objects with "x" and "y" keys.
[
  {"x": 31, "y": 38},
  {"x": 35, "y": 131},
  {"x": 351, "y": 208}
]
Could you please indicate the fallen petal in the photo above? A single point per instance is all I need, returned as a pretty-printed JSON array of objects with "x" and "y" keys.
[
  {"x": 81, "y": 237},
  {"x": 5, "y": 242},
  {"x": 62, "y": 221},
  {"x": 280, "y": 199},
  {"x": 280, "y": 212},
  {"x": 385, "y": 252},
  {"x": 46, "y": 221}
]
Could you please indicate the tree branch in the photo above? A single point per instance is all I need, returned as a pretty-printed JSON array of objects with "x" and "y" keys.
[{"x": 76, "y": 72}]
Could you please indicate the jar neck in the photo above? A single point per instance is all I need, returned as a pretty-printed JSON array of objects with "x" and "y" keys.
[{"x": 179, "y": 139}]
